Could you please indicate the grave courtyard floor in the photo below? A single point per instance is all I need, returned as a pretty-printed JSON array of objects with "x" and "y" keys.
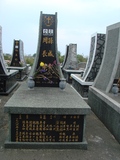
[{"x": 101, "y": 143}]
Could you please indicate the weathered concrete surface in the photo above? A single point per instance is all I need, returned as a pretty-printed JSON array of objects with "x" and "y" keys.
[{"x": 101, "y": 144}]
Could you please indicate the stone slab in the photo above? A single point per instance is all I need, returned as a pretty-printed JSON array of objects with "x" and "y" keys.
[
  {"x": 107, "y": 109},
  {"x": 107, "y": 98},
  {"x": 81, "y": 81},
  {"x": 10, "y": 73},
  {"x": 46, "y": 145},
  {"x": 16, "y": 68},
  {"x": 73, "y": 71},
  {"x": 48, "y": 100}
]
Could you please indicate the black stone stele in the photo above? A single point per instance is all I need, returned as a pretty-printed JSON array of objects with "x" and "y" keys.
[
  {"x": 18, "y": 60},
  {"x": 46, "y": 70},
  {"x": 7, "y": 79},
  {"x": 18, "y": 54}
]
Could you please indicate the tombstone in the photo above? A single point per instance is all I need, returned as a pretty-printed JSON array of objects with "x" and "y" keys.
[
  {"x": 46, "y": 116},
  {"x": 7, "y": 79},
  {"x": 71, "y": 59},
  {"x": 101, "y": 99},
  {"x": 70, "y": 64},
  {"x": 82, "y": 83},
  {"x": 18, "y": 61},
  {"x": 46, "y": 70}
]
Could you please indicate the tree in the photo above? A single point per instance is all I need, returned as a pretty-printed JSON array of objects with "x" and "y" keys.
[
  {"x": 7, "y": 56},
  {"x": 81, "y": 58},
  {"x": 61, "y": 58},
  {"x": 29, "y": 60}
]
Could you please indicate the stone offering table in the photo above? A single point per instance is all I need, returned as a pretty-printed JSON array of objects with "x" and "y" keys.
[{"x": 46, "y": 117}]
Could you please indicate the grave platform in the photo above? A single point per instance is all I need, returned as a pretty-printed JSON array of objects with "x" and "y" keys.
[
  {"x": 81, "y": 86},
  {"x": 8, "y": 82},
  {"x": 21, "y": 75},
  {"x": 67, "y": 73},
  {"x": 46, "y": 117},
  {"x": 107, "y": 108}
]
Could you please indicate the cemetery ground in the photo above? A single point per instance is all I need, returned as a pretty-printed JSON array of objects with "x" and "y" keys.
[{"x": 101, "y": 143}]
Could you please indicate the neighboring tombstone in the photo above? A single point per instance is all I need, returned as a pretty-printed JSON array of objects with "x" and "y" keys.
[
  {"x": 70, "y": 62},
  {"x": 18, "y": 60},
  {"x": 71, "y": 58},
  {"x": 82, "y": 83},
  {"x": 46, "y": 69},
  {"x": 7, "y": 79},
  {"x": 102, "y": 101}
]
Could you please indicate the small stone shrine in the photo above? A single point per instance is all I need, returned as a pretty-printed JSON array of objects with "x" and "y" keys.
[
  {"x": 104, "y": 103},
  {"x": 18, "y": 61},
  {"x": 70, "y": 64},
  {"x": 7, "y": 79},
  {"x": 82, "y": 83},
  {"x": 48, "y": 115}
]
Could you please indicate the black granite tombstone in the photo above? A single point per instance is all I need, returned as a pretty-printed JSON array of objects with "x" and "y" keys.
[
  {"x": 18, "y": 61},
  {"x": 46, "y": 69},
  {"x": 7, "y": 79}
]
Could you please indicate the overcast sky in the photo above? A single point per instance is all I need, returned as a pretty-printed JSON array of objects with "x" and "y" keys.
[{"x": 77, "y": 21}]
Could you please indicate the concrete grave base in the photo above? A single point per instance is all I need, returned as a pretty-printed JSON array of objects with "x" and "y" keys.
[
  {"x": 107, "y": 108},
  {"x": 46, "y": 145},
  {"x": 8, "y": 82},
  {"x": 81, "y": 86},
  {"x": 21, "y": 75},
  {"x": 56, "y": 107}
]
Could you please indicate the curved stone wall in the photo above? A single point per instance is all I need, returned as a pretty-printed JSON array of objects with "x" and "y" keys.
[
  {"x": 3, "y": 69},
  {"x": 95, "y": 57},
  {"x": 111, "y": 61}
]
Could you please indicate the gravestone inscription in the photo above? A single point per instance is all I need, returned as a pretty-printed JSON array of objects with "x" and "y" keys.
[{"x": 46, "y": 128}]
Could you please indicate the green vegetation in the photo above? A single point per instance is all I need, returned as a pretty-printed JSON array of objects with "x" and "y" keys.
[
  {"x": 7, "y": 56},
  {"x": 81, "y": 58},
  {"x": 29, "y": 60}
]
